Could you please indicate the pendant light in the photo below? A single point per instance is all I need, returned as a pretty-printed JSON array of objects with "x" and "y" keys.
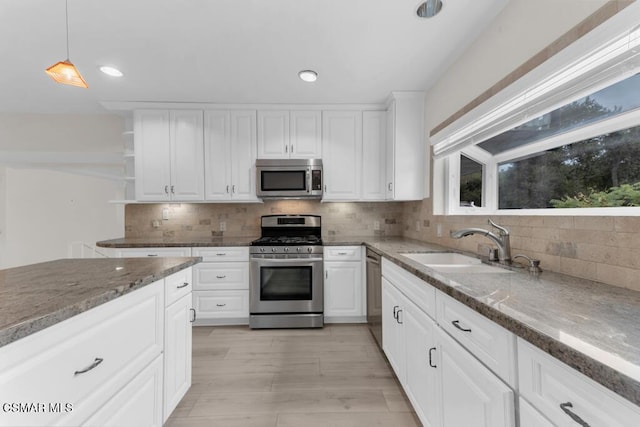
[{"x": 64, "y": 71}]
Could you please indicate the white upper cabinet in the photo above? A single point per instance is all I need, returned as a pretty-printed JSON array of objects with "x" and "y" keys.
[
  {"x": 168, "y": 155},
  {"x": 230, "y": 154},
  {"x": 406, "y": 153},
  {"x": 374, "y": 155},
  {"x": 342, "y": 154},
  {"x": 289, "y": 134}
]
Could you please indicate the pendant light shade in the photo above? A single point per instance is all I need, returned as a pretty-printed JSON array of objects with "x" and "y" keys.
[{"x": 64, "y": 71}]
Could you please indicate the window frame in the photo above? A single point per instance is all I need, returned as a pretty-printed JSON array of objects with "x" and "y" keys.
[{"x": 583, "y": 69}]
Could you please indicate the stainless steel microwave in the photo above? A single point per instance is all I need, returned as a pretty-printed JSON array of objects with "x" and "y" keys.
[{"x": 289, "y": 178}]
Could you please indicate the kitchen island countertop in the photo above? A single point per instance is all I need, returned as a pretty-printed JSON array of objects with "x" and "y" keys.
[{"x": 34, "y": 297}]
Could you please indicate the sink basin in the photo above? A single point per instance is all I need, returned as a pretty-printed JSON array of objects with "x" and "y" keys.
[
  {"x": 443, "y": 258},
  {"x": 449, "y": 262},
  {"x": 467, "y": 268}
]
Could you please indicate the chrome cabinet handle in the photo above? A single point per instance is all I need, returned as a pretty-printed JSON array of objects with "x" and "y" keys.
[
  {"x": 166, "y": 189},
  {"x": 572, "y": 415},
  {"x": 456, "y": 323},
  {"x": 326, "y": 274},
  {"x": 292, "y": 148},
  {"x": 221, "y": 305},
  {"x": 172, "y": 192},
  {"x": 390, "y": 186},
  {"x": 325, "y": 188},
  {"x": 184, "y": 285},
  {"x": 395, "y": 312},
  {"x": 431, "y": 357},
  {"x": 220, "y": 254},
  {"x": 193, "y": 310},
  {"x": 152, "y": 254},
  {"x": 342, "y": 253},
  {"x": 286, "y": 148},
  {"x": 221, "y": 277},
  {"x": 398, "y": 317},
  {"x": 233, "y": 189},
  {"x": 95, "y": 363},
  {"x": 227, "y": 189}
]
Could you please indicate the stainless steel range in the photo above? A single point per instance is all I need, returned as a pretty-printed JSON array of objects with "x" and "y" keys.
[{"x": 286, "y": 282}]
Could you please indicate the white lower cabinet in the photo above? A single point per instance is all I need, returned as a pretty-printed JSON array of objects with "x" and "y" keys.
[
  {"x": 221, "y": 286},
  {"x": 177, "y": 352},
  {"x": 447, "y": 385},
  {"x": 567, "y": 397},
  {"x": 139, "y": 403},
  {"x": 344, "y": 294},
  {"x": 530, "y": 417}
]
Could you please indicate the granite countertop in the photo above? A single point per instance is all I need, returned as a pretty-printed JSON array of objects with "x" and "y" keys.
[
  {"x": 159, "y": 242},
  {"x": 590, "y": 326},
  {"x": 37, "y": 296}
]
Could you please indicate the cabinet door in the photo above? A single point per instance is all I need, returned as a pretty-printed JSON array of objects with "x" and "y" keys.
[
  {"x": 187, "y": 150},
  {"x": 530, "y": 417},
  {"x": 139, "y": 403},
  {"x": 471, "y": 395},
  {"x": 243, "y": 154},
  {"x": 273, "y": 134},
  {"x": 422, "y": 373},
  {"x": 305, "y": 135},
  {"x": 343, "y": 289},
  {"x": 342, "y": 154},
  {"x": 390, "y": 156},
  {"x": 374, "y": 155},
  {"x": 177, "y": 353},
  {"x": 392, "y": 331},
  {"x": 217, "y": 154},
  {"x": 152, "y": 155}
]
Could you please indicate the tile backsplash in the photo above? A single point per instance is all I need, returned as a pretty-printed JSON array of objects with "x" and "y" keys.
[
  {"x": 601, "y": 248},
  {"x": 243, "y": 219}
]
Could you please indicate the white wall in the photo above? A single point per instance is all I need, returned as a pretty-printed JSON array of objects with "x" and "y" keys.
[
  {"x": 522, "y": 29},
  {"x": 43, "y": 211},
  {"x": 46, "y": 211}
]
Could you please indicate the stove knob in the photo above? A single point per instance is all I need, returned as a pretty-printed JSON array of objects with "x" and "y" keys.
[
  {"x": 299, "y": 249},
  {"x": 262, "y": 249},
  {"x": 286, "y": 249},
  {"x": 273, "y": 249},
  {"x": 309, "y": 249}
]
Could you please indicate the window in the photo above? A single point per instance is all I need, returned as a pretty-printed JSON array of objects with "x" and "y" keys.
[{"x": 568, "y": 141}]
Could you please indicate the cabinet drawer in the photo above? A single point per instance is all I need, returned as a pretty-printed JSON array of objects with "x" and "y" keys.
[
  {"x": 343, "y": 253},
  {"x": 417, "y": 290},
  {"x": 558, "y": 391},
  {"x": 152, "y": 252},
  {"x": 221, "y": 304},
  {"x": 215, "y": 254},
  {"x": 488, "y": 341},
  {"x": 83, "y": 360},
  {"x": 177, "y": 285},
  {"x": 221, "y": 276}
]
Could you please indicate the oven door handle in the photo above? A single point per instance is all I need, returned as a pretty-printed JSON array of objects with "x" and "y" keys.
[{"x": 286, "y": 260}]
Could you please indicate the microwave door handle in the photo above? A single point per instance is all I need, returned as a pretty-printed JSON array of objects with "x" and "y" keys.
[{"x": 309, "y": 183}]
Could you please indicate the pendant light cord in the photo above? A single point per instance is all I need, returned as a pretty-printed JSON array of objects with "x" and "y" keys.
[{"x": 66, "y": 15}]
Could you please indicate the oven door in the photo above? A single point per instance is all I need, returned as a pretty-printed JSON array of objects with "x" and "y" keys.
[{"x": 283, "y": 284}]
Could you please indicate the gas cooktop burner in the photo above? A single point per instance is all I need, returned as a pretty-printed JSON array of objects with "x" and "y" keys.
[{"x": 287, "y": 240}]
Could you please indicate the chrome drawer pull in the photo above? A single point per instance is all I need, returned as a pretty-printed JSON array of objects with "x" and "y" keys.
[
  {"x": 456, "y": 323},
  {"x": 152, "y": 254},
  {"x": 95, "y": 363},
  {"x": 193, "y": 310},
  {"x": 431, "y": 358},
  {"x": 184, "y": 285},
  {"x": 220, "y": 254},
  {"x": 573, "y": 416},
  {"x": 343, "y": 253},
  {"x": 221, "y": 277},
  {"x": 221, "y": 305}
]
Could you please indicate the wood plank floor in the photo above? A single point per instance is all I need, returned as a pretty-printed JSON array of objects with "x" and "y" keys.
[{"x": 331, "y": 377}]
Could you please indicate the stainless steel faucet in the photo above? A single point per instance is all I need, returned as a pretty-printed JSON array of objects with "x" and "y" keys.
[{"x": 501, "y": 239}]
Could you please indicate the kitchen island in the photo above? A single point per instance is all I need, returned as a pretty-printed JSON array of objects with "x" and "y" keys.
[{"x": 94, "y": 341}]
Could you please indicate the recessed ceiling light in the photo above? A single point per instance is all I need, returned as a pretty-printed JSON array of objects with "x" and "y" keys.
[
  {"x": 308, "y": 76},
  {"x": 429, "y": 8},
  {"x": 111, "y": 71}
]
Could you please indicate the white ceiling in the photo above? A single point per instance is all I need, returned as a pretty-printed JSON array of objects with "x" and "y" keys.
[{"x": 229, "y": 51}]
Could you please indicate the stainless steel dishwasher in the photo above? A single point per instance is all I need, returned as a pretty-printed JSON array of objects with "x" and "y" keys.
[{"x": 374, "y": 295}]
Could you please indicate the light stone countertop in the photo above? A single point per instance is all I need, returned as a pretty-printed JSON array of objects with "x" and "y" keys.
[
  {"x": 170, "y": 242},
  {"x": 590, "y": 326},
  {"x": 34, "y": 297}
]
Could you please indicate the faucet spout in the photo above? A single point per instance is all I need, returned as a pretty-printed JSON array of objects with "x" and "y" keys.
[{"x": 501, "y": 239}]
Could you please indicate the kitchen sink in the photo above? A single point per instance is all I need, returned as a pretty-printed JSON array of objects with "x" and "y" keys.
[
  {"x": 442, "y": 258},
  {"x": 449, "y": 262}
]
